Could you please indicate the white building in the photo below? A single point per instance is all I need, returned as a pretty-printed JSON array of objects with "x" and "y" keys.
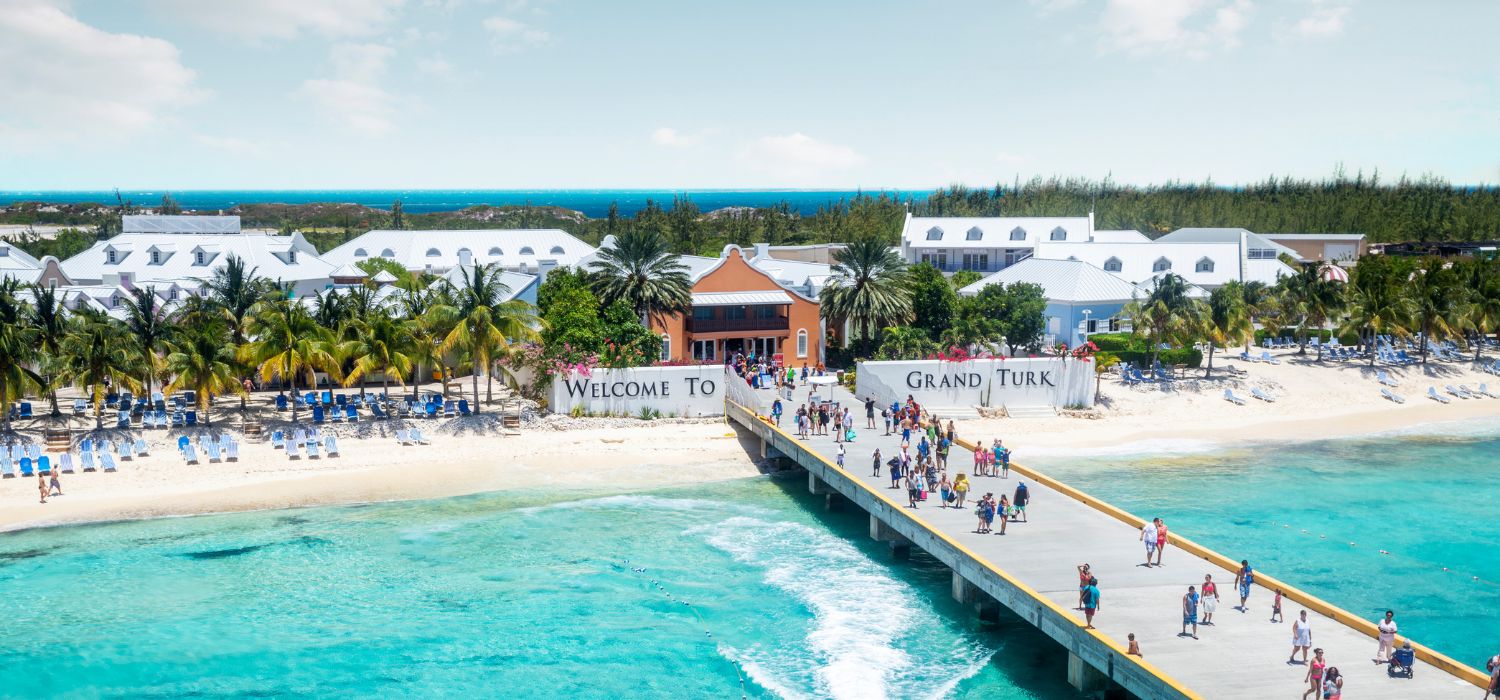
[
  {"x": 530, "y": 251},
  {"x": 986, "y": 244},
  {"x": 1081, "y": 298},
  {"x": 18, "y": 264},
  {"x": 158, "y": 250},
  {"x": 1206, "y": 265}
]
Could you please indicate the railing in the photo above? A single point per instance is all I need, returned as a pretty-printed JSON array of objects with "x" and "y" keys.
[
  {"x": 715, "y": 325},
  {"x": 738, "y": 391}
]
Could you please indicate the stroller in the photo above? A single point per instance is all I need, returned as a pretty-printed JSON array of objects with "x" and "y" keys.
[{"x": 1402, "y": 661}]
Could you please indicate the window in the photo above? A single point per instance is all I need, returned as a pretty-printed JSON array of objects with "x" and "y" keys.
[
  {"x": 1113, "y": 265},
  {"x": 1261, "y": 254},
  {"x": 935, "y": 234},
  {"x": 666, "y": 347},
  {"x": 172, "y": 295},
  {"x": 1204, "y": 265},
  {"x": 1059, "y": 234},
  {"x": 1161, "y": 265},
  {"x": 434, "y": 253},
  {"x": 1018, "y": 234},
  {"x": 703, "y": 349},
  {"x": 387, "y": 253},
  {"x": 974, "y": 234},
  {"x": 801, "y": 342},
  {"x": 52, "y": 283},
  {"x": 496, "y": 252},
  {"x": 110, "y": 257},
  {"x": 1091, "y": 326},
  {"x": 360, "y": 253},
  {"x": 199, "y": 258},
  {"x": 556, "y": 250},
  {"x": 734, "y": 312},
  {"x": 765, "y": 312},
  {"x": 465, "y": 251},
  {"x": 291, "y": 256},
  {"x": 528, "y": 251},
  {"x": 979, "y": 262},
  {"x": 703, "y": 313}
]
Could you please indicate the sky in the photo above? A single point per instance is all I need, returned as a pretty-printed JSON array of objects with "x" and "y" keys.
[{"x": 580, "y": 94}]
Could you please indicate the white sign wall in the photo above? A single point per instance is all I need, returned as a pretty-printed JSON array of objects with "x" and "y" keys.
[
  {"x": 1014, "y": 383},
  {"x": 679, "y": 391}
]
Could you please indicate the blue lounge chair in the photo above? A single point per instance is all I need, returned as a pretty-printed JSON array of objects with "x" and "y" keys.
[
  {"x": 1142, "y": 378},
  {"x": 25, "y": 463},
  {"x": 65, "y": 463},
  {"x": 44, "y": 464},
  {"x": 291, "y": 450},
  {"x": 1266, "y": 357},
  {"x": 1385, "y": 379},
  {"x": 335, "y": 413},
  {"x": 450, "y": 408},
  {"x": 312, "y": 449},
  {"x": 340, "y": 400},
  {"x": 331, "y": 446},
  {"x": 317, "y": 414},
  {"x": 192, "y": 418},
  {"x": 178, "y": 420},
  {"x": 327, "y": 397},
  {"x": 86, "y": 458},
  {"x": 230, "y": 448},
  {"x": 416, "y": 437},
  {"x": 432, "y": 410},
  {"x": 125, "y": 450},
  {"x": 140, "y": 447},
  {"x": 377, "y": 411},
  {"x": 211, "y": 450},
  {"x": 123, "y": 420},
  {"x": 80, "y": 407},
  {"x": 463, "y": 407},
  {"x": 190, "y": 455},
  {"x": 278, "y": 440},
  {"x": 25, "y": 409},
  {"x": 280, "y": 402},
  {"x": 183, "y": 442},
  {"x": 310, "y": 399},
  {"x": 7, "y": 470},
  {"x": 351, "y": 414},
  {"x": 161, "y": 408}
]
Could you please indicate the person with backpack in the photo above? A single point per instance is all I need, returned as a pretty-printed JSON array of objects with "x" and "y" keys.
[
  {"x": 1090, "y": 602},
  {"x": 776, "y": 412},
  {"x": 1022, "y": 498},
  {"x": 1243, "y": 579}
]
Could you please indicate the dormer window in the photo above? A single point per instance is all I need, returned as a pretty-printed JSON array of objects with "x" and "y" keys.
[
  {"x": 172, "y": 295},
  {"x": 291, "y": 256},
  {"x": 1059, "y": 234},
  {"x": 111, "y": 257},
  {"x": 1018, "y": 234},
  {"x": 1161, "y": 265},
  {"x": 199, "y": 258},
  {"x": 387, "y": 253},
  {"x": 974, "y": 234},
  {"x": 434, "y": 253},
  {"x": 360, "y": 253},
  {"x": 1205, "y": 265},
  {"x": 935, "y": 234},
  {"x": 528, "y": 251},
  {"x": 1112, "y": 265},
  {"x": 556, "y": 250},
  {"x": 496, "y": 252},
  {"x": 155, "y": 257}
]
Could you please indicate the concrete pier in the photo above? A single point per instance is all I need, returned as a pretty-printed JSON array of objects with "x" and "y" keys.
[{"x": 1031, "y": 571}]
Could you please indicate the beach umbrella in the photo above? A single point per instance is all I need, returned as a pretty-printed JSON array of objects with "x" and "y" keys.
[{"x": 1333, "y": 273}]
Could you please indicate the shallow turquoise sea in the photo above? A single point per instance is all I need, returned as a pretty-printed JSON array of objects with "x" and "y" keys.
[
  {"x": 740, "y": 588},
  {"x": 1408, "y": 523}
]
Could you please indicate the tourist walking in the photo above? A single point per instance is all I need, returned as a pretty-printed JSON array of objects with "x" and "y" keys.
[
  {"x": 896, "y": 469},
  {"x": 1148, "y": 535},
  {"x": 41, "y": 486},
  {"x": 985, "y": 513},
  {"x": 1314, "y": 677},
  {"x": 1190, "y": 612},
  {"x": 1003, "y": 508},
  {"x": 1090, "y": 603},
  {"x": 979, "y": 462},
  {"x": 1387, "y": 629},
  {"x": 55, "y": 483},
  {"x": 960, "y": 489},
  {"x": 776, "y": 412},
  {"x": 876, "y": 470},
  {"x": 1276, "y": 608},
  {"x": 885, "y": 415},
  {"x": 945, "y": 491},
  {"x": 1493, "y": 666},
  {"x": 1243, "y": 579},
  {"x": 841, "y": 456},
  {"x": 1018, "y": 503},
  {"x": 1333, "y": 684},
  {"x": 870, "y": 413},
  {"x": 1301, "y": 637},
  {"x": 1161, "y": 539},
  {"x": 913, "y": 489},
  {"x": 1210, "y": 599}
]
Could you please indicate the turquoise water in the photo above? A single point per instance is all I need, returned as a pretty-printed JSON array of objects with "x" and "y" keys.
[
  {"x": 746, "y": 588},
  {"x": 1318, "y": 515}
]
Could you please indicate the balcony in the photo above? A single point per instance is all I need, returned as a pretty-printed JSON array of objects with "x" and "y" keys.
[{"x": 722, "y": 325}]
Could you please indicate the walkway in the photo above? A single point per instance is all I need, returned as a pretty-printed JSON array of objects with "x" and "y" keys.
[{"x": 1242, "y": 655}]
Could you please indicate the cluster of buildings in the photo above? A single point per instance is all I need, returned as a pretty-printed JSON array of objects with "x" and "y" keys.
[{"x": 762, "y": 299}]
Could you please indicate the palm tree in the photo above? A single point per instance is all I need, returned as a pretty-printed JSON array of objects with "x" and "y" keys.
[
  {"x": 50, "y": 322},
  {"x": 288, "y": 343},
  {"x": 1312, "y": 300},
  {"x": 380, "y": 345},
  {"x": 1376, "y": 305},
  {"x": 147, "y": 324},
  {"x": 18, "y": 348},
  {"x": 427, "y": 332},
  {"x": 869, "y": 289},
  {"x": 1483, "y": 313},
  {"x": 1436, "y": 300},
  {"x": 487, "y": 324},
  {"x": 234, "y": 290},
  {"x": 203, "y": 360},
  {"x": 1226, "y": 320},
  {"x": 1260, "y": 305},
  {"x": 93, "y": 357},
  {"x": 640, "y": 269},
  {"x": 1168, "y": 312}
]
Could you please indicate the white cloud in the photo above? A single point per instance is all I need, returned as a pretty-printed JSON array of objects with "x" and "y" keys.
[
  {"x": 513, "y": 35},
  {"x": 798, "y": 156},
  {"x": 285, "y": 19},
  {"x": 352, "y": 97},
  {"x": 436, "y": 67},
  {"x": 1190, "y": 27},
  {"x": 1323, "y": 22},
  {"x": 672, "y": 138},
  {"x": 66, "y": 80}
]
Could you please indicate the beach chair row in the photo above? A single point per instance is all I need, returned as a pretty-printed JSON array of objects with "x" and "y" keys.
[
  {"x": 93, "y": 455},
  {"x": 303, "y": 442},
  {"x": 1133, "y": 375},
  {"x": 221, "y": 449},
  {"x": 1461, "y": 391},
  {"x": 1263, "y": 357},
  {"x": 157, "y": 419},
  {"x": 1255, "y": 392}
]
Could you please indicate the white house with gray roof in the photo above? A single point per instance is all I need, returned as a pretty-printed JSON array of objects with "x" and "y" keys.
[
  {"x": 986, "y": 244},
  {"x": 1081, "y": 298},
  {"x": 528, "y": 251}
]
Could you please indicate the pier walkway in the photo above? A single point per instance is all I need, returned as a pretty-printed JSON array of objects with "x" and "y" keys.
[{"x": 1032, "y": 571}]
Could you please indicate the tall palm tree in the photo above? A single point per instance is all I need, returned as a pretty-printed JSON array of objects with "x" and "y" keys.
[
  {"x": 1226, "y": 319},
  {"x": 1482, "y": 315},
  {"x": 1436, "y": 299},
  {"x": 287, "y": 343},
  {"x": 93, "y": 358},
  {"x": 486, "y": 323},
  {"x": 1168, "y": 313},
  {"x": 234, "y": 289},
  {"x": 427, "y": 331},
  {"x": 869, "y": 289},
  {"x": 1260, "y": 304},
  {"x": 202, "y": 359},
  {"x": 18, "y": 348},
  {"x": 1376, "y": 304},
  {"x": 1310, "y": 299},
  {"x": 50, "y": 321},
  {"x": 640, "y": 269},
  {"x": 146, "y": 322},
  {"x": 380, "y": 345}
]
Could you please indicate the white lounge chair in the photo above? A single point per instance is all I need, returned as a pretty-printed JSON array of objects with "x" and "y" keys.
[
  {"x": 1263, "y": 396},
  {"x": 34, "y": 450},
  {"x": 416, "y": 436},
  {"x": 1394, "y": 398},
  {"x": 141, "y": 449},
  {"x": 231, "y": 449},
  {"x": 1231, "y": 398},
  {"x": 402, "y": 437},
  {"x": 312, "y": 449},
  {"x": 190, "y": 454},
  {"x": 291, "y": 450},
  {"x": 1432, "y": 394},
  {"x": 1485, "y": 391},
  {"x": 106, "y": 460},
  {"x": 86, "y": 459},
  {"x": 1266, "y": 358},
  {"x": 65, "y": 462},
  {"x": 1455, "y": 392},
  {"x": 331, "y": 446},
  {"x": 126, "y": 450},
  {"x": 1385, "y": 379},
  {"x": 211, "y": 449},
  {"x": 7, "y": 470}
]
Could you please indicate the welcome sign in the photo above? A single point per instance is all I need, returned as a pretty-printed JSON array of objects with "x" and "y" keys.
[
  {"x": 680, "y": 391},
  {"x": 1015, "y": 383}
]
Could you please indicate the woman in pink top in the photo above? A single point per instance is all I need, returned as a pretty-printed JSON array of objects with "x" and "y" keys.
[{"x": 1315, "y": 675}]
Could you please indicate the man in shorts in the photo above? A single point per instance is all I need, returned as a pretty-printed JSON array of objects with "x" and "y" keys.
[
  {"x": 1090, "y": 602},
  {"x": 1148, "y": 535},
  {"x": 1190, "y": 612},
  {"x": 1019, "y": 501}
]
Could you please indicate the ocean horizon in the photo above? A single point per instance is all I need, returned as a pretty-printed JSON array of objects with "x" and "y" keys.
[{"x": 593, "y": 203}]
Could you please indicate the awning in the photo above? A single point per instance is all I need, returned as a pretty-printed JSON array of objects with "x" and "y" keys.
[{"x": 740, "y": 298}]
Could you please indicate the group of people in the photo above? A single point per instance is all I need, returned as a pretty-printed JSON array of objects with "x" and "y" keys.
[{"x": 49, "y": 484}]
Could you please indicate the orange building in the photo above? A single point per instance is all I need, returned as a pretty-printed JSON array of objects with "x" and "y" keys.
[{"x": 739, "y": 308}]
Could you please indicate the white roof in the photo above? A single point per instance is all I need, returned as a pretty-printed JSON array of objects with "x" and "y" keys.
[
  {"x": 1314, "y": 236},
  {"x": 19, "y": 264},
  {"x": 348, "y": 270},
  {"x": 512, "y": 249},
  {"x": 1137, "y": 261},
  {"x": 991, "y": 232},
  {"x": 270, "y": 256},
  {"x": 807, "y": 277},
  {"x": 1120, "y": 236},
  {"x": 516, "y": 282},
  {"x": 740, "y": 298},
  {"x": 219, "y": 225},
  {"x": 383, "y": 277},
  {"x": 1224, "y": 235},
  {"x": 1067, "y": 281}
]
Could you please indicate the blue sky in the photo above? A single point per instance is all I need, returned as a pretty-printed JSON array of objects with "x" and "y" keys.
[{"x": 292, "y": 94}]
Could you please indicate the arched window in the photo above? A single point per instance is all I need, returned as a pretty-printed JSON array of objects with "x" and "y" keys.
[
  {"x": 666, "y": 348},
  {"x": 801, "y": 342},
  {"x": 1161, "y": 265},
  {"x": 1059, "y": 234},
  {"x": 528, "y": 251},
  {"x": 556, "y": 250},
  {"x": 1018, "y": 234},
  {"x": 496, "y": 252},
  {"x": 360, "y": 253},
  {"x": 935, "y": 234},
  {"x": 974, "y": 234},
  {"x": 387, "y": 253},
  {"x": 1112, "y": 265},
  {"x": 1205, "y": 265},
  {"x": 434, "y": 253}
]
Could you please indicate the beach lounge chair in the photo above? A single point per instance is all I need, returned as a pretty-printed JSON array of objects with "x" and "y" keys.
[
  {"x": 141, "y": 449},
  {"x": 1140, "y": 377},
  {"x": 1432, "y": 394},
  {"x": 317, "y": 414},
  {"x": 231, "y": 448},
  {"x": 280, "y": 402},
  {"x": 335, "y": 414},
  {"x": 211, "y": 450},
  {"x": 1455, "y": 392},
  {"x": 450, "y": 408},
  {"x": 192, "y": 418},
  {"x": 65, "y": 462},
  {"x": 25, "y": 409},
  {"x": 1266, "y": 358},
  {"x": 34, "y": 450},
  {"x": 416, "y": 437},
  {"x": 7, "y": 470},
  {"x": 403, "y": 437},
  {"x": 25, "y": 464},
  {"x": 126, "y": 450},
  {"x": 123, "y": 420},
  {"x": 331, "y": 446},
  {"x": 377, "y": 411},
  {"x": 106, "y": 460},
  {"x": 278, "y": 440},
  {"x": 463, "y": 407},
  {"x": 291, "y": 450},
  {"x": 183, "y": 442},
  {"x": 432, "y": 410},
  {"x": 44, "y": 464},
  {"x": 309, "y": 399},
  {"x": 340, "y": 400},
  {"x": 1231, "y": 398},
  {"x": 351, "y": 414},
  {"x": 1262, "y": 395},
  {"x": 1385, "y": 379},
  {"x": 190, "y": 454},
  {"x": 312, "y": 449},
  {"x": 178, "y": 420},
  {"x": 86, "y": 459},
  {"x": 299, "y": 436},
  {"x": 80, "y": 407},
  {"x": 1485, "y": 392}
]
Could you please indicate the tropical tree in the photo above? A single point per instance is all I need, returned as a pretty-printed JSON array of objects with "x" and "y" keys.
[
  {"x": 18, "y": 347},
  {"x": 1437, "y": 300},
  {"x": 1482, "y": 315},
  {"x": 94, "y": 358},
  {"x": 1167, "y": 313},
  {"x": 148, "y": 328},
  {"x": 905, "y": 343},
  {"x": 1226, "y": 320},
  {"x": 202, "y": 359},
  {"x": 869, "y": 289},
  {"x": 380, "y": 345},
  {"x": 234, "y": 289},
  {"x": 1375, "y": 303},
  {"x": 288, "y": 343},
  {"x": 50, "y": 321},
  {"x": 1312, "y": 300},
  {"x": 639, "y": 269},
  {"x": 486, "y": 323},
  {"x": 1260, "y": 305},
  {"x": 934, "y": 303}
]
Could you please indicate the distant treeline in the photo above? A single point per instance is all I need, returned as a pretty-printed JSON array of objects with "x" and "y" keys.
[{"x": 1426, "y": 209}]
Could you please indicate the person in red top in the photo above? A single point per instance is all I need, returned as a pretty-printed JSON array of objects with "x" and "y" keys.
[
  {"x": 1161, "y": 539},
  {"x": 1210, "y": 599},
  {"x": 1083, "y": 582}
]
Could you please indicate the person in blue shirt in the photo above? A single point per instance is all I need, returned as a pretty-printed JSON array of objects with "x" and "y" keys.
[
  {"x": 1090, "y": 602},
  {"x": 1243, "y": 579},
  {"x": 1190, "y": 611}
]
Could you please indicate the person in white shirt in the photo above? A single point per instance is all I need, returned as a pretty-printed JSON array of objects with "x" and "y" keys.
[
  {"x": 1387, "y": 629},
  {"x": 1148, "y": 535}
]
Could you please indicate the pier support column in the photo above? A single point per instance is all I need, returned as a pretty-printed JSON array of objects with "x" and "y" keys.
[
  {"x": 972, "y": 597},
  {"x": 765, "y": 448},
  {"x": 879, "y": 531},
  {"x": 816, "y": 486},
  {"x": 963, "y": 591},
  {"x": 1085, "y": 678}
]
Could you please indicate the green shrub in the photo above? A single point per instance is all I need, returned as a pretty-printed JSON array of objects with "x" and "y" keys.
[
  {"x": 1117, "y": 342},
  {"x": 1192, "y": 357}
]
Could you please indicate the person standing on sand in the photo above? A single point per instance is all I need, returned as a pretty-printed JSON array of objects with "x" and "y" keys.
[
  {"x": 1090, "y": 602},
  {"x": 1190, "y": 612},
  {"x": 1161, "y": 539},
  {"x": 41, "y": 485},
  {"x": 1243, "y": 579},
  {"x": 1148, "y": 535},
  {"x": 960, "y": 489},
  {"x": 56, "y": 483},
  {"x": 1387, "y": 629},
  {"x": 1314, "y": 677},
  {"x": 1210, "y": 599},
  {"x": 1019, "y": 503},
  {"x": 876, "y": 472},
  {"x": 1301, "y": 638}
]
